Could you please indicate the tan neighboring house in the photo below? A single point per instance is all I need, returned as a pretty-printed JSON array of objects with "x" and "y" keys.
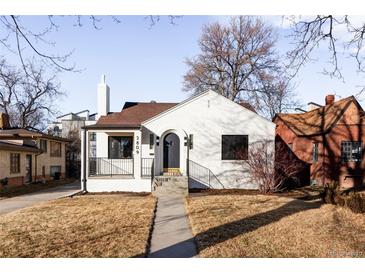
[{"x": 27, "y": 156}]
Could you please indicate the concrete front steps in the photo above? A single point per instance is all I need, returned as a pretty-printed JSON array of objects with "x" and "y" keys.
[{"x": 170, "y": 185}]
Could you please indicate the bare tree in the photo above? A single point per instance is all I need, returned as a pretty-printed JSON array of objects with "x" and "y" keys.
[
  {"x": 272, "y": 168},
  {"x": 341, "y": 34},
  {"x": 28, "y": 98},
  {"x": 237, "y": 60},
  {"x": 9, "y": 81},
  {"x": 277, "y": 96}
]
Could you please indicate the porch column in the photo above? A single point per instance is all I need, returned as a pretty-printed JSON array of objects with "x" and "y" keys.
[
  {"x": 137, "y": 152},
  {"x": 84, "y": 158}
]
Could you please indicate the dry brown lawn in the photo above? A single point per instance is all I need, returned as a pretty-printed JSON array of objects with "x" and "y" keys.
[
  {"x": 272, "y": 226},
  {"x": 83, "y": 226}
]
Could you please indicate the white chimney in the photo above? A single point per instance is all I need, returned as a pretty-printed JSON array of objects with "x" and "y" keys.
[{"x": 103, "y": 97}]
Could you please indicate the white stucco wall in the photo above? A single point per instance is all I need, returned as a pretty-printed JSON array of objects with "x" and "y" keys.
[
  {"x": 208, "y": 117},
  {"x": 110, "y": 184},
  {"x": 147, "y": 152}
]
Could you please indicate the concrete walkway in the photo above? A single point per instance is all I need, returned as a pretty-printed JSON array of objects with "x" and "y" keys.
[
  {"x": 26, "y": 200},
  {"x": 171, "y": 235}
]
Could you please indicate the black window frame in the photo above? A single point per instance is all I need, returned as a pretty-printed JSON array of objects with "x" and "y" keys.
[
  {"x": 347, "y": 151},
  {"x": 152, "y": 140},
  {"x": 110, "y": 156},
  {"x": 233, "y": 155}
]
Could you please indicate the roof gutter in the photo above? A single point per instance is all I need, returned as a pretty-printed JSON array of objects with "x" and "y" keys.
[{"x": 101, "y": 127}]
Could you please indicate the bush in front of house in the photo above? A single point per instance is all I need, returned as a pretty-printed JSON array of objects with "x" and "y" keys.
[
  {"x": 356, "y": 202},
  {"x": 333, "y": 194},
  {"x": 273, "y": 166},
  {"x": 4, "y": 182}
]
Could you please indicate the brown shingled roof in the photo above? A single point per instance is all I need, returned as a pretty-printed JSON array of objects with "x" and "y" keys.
[
  {"x": 319, "y": 120},
  {"x": 17, "y": 133},
  {"x": 247, "y": 105},
  {"x": 18, "y": 147},
  {"x": 132, "y": 115}
]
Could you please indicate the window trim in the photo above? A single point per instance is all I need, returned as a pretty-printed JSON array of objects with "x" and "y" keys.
[
  {"x": 17, "y": 170},
  {"x": 152, "y": 140},
  {"x": 59, "y": 167},
  {"x": 246, "y": 140},
  {"x": 46, "y": 145},
  {"x": 351, "y": 159},
  {"x": 52, "y": 154},
  {"x": 126, "y": 136},
  {"x": 315, "y": 150}
]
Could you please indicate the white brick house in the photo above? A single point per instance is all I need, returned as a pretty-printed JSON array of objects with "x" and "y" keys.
[{"x": 195, "y": 138}]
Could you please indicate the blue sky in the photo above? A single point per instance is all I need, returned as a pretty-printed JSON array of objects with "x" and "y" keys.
[{"x": 143, "y": 63}]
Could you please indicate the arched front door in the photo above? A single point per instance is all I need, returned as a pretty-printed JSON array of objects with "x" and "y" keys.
[{"x": 171, "y": 153}]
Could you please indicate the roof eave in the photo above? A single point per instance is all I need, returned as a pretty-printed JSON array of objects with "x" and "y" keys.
[{"x": 96, "y": 126}]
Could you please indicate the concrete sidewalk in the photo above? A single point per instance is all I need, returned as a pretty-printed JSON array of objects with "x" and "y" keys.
[
  {"x": 26, "y": 200},
  {"x": 171, "y": 235}
]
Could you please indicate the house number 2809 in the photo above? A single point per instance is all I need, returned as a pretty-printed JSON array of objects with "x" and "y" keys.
[{"x": 137, "y": 144}]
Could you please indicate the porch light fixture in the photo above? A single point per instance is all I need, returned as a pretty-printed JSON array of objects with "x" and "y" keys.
[
  {"x": 188, "y": 141},
  {"x": 185, "y": 140}
]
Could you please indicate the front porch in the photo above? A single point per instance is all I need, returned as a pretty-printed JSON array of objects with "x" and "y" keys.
[
  {"x": 129, "y": 159},
  {"x": 115, "y": 161}
]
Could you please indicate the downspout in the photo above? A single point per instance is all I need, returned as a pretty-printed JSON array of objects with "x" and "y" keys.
[
  {"x": 187, "y": 157},
  {"x": 36, "y": 163},
  {"x": 84, "y": 160}
]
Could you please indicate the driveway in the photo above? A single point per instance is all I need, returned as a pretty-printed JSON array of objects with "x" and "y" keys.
[{"x": 26, "y": 200}]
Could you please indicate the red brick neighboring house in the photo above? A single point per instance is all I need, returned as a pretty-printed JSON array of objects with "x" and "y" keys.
[{"x": 329, "y": 138}]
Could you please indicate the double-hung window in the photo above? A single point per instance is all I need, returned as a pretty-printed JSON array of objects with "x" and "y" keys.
[
  {"x": 14, "y": 162},
  {"x": 55, "y": 149},
  {"x": 351, "y": 151},
  {"x": 43, "y": 145},
  {"x": 315, "y": 152}
]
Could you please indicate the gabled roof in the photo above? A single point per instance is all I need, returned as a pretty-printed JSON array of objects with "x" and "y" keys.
[
  {"x": 319, "y": 120},
  {"x": 132, "y": 115},
  {"x": 243, "y": 104},
  {"x": 18, "y": 147},
  {"x": 21, "y": 133},
  {"x": 248, "y": 106}
]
